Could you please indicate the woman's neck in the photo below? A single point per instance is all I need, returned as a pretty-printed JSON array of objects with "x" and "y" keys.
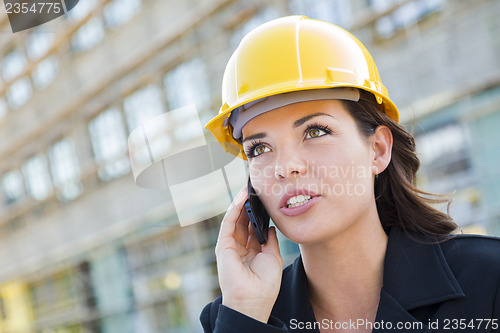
[{"x": 345, "y": 274}]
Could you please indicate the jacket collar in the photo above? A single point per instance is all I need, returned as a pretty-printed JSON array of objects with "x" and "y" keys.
[{"x": 415, "y": 274}]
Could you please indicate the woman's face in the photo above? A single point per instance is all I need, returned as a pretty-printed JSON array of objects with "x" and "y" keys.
[{"x": 311, "y": 168}]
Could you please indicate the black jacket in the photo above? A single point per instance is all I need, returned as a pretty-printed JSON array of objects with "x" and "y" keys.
[{"x": 452, "y": 286}]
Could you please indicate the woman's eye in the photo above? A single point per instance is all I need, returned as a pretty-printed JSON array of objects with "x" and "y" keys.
[
  {"x": 260, "y": 149},
  {"x": 315, "y": 133},
  {"x": 256, "y": 149}
]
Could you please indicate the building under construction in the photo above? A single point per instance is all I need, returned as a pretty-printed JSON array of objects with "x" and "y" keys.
[{"x": 84, "y": 249}]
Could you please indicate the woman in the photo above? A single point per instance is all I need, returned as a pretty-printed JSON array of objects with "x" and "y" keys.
[{"x": 303, "y": 102}]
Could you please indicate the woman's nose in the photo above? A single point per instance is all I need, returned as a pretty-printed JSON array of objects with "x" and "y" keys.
[{"x": 289, "y": 165}]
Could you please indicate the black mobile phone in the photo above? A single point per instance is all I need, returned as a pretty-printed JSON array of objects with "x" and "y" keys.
[{"x": 257, "y": 214}]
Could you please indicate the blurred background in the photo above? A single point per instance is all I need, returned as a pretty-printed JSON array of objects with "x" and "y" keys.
[{"x": 84, "y": 249}]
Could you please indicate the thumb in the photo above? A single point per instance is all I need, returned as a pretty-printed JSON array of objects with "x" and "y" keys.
[{"x": 272, "y": 245}]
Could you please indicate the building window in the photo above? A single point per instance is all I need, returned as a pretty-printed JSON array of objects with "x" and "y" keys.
[
  {"x": 89, "y": 35},
  {"x": 13, "y": 65},
  {"x": 19, "y": 92},
  {"x": 143, "y": 105},
  {"x": 109, "y": 143},
  {"x": 65, "y": 169},
  {"x": 188, "y": 84},
  {"x": 38, "y": 43},
  {"x": 264, "y": 16},
  {"x": 45, "y": 73},
  {"x": 403, "y": 17},
  {"x": 12, "y": 186},
  {"x": 56, "y": 294},
  {"x": 81, "y": 11},
  {"x": 119, "y": 12},
  {"x": 36, "y": 174},
  {"x": 334, "y": 11},
  {"x": 444, "y": 151}
]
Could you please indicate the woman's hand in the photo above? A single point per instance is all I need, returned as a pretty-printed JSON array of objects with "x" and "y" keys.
[{"x": 249, "y": 273}]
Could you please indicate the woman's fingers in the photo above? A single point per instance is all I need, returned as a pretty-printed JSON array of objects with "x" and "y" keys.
[
  {"x": 228, "y": 225},
  {"x": 252, "y": 240},
  {"x": 272, "y": 245},
  {"x": 241, "y": 233}
]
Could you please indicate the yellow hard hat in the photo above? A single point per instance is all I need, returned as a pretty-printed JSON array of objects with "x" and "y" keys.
[{"x": 289, "y": 54}]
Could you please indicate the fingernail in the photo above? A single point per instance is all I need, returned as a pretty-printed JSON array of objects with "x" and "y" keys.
[{"x": 241, "y": 194}]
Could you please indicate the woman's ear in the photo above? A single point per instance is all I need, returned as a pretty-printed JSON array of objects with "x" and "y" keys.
[{"x": 381, "y": 143}]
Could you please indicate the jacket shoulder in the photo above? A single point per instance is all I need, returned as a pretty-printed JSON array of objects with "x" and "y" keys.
[
  {"x": 474, "y": 252},
  {"x": 209, "y": 314}
]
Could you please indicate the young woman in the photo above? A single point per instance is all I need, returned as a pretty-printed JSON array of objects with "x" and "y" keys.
[{"x": 303, "y": 102}]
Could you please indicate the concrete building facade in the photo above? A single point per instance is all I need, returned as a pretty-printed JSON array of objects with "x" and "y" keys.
[{"x": 84, "y": 249}]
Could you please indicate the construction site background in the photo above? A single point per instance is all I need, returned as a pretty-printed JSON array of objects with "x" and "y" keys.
[{"x": 84, "y": 249}]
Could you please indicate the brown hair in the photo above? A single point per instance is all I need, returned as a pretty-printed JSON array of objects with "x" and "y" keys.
[{"x": 399, "y": 201}]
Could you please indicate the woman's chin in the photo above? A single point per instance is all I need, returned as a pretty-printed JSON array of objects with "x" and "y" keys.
[
  {"x": 302, "y": 233},
  {"x": 314, "y": 230}
]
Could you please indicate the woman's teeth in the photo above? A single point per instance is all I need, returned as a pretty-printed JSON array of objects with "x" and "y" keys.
[{"x": 297, "y": 201}]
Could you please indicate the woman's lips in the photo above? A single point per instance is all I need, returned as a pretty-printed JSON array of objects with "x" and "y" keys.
[
  {"x": 294, "y": 211},
  {"x": 295, "y": 193}
]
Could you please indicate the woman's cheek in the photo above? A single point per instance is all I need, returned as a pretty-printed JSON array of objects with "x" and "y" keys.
[
  {"x": 264, "y": 190},
  {"x": 261, "y": 173},
  {"x": 264, "y": 187}
]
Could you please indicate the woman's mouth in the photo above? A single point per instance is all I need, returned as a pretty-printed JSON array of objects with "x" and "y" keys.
[
  {"x": 298, "y": 203},
  {"x": 297, "y": 200}
]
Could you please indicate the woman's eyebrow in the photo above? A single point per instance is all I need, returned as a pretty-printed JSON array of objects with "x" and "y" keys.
[
  {"x": 300, "y": 121},
  {"x": 254, "y": 136},
  {"x": 297, "y": 123}
]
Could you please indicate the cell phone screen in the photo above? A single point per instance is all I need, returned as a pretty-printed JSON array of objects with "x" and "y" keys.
[{"x": 259, "y": 218}]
